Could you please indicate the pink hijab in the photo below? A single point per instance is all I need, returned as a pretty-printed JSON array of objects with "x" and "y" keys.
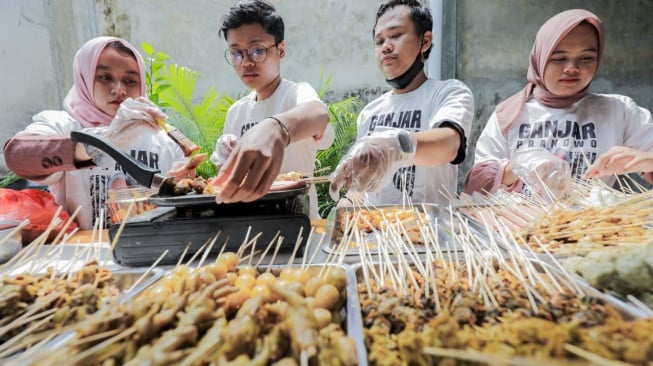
[
  {"x": 80, "y": 102},
  {"x": 546, "y": 40}
]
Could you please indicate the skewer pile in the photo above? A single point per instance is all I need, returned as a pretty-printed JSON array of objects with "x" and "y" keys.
[
  {"x": 34, "y": 308},
  {"x": 485, "y": 306},
  {"x": 591, "y": 217},
  {"x": 225, "y": 312}
]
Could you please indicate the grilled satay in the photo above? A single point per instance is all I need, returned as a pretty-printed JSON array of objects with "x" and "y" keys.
[
  {"x": 241, "y": 333},
  {"x": 300, "y": 323}
]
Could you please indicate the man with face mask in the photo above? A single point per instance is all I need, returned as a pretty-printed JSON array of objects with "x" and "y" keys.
[{"x": 410, "y": 139}]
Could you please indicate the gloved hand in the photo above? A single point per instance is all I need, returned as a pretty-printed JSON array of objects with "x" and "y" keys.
[
  {"x": 371, "y": 162},
  {"x": 223, "y": 148},
  {"x": 130, "y": 114},
  {"x": 135, "y": 111},
  {"x": 544, "y": 172}
]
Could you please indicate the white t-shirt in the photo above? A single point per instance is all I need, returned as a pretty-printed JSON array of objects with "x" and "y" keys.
[
  {"x": 579, "y": 133},
  {"x": 88, "y": 188},
  {"x": 299, "y": 156},
  {"x": 426, "y": 107}
]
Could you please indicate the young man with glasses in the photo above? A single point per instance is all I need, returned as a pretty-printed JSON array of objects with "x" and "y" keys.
[
  {"x": 411, "y": 138},
  {"x": 280, "y": 125}
]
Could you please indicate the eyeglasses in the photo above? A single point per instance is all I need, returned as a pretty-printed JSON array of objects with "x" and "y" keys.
[{"x": 256, "y": 53}]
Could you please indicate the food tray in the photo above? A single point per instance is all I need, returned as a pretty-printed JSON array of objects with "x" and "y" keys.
[
  {"x": 357, "y": 277},
  {"x": 199, "y": 199},
  {"x": 124, "y": 282},
  {"x": 353, "y": 322},
  {"x": 348, "y": 324},
  {"x": 432, "y": 211}
]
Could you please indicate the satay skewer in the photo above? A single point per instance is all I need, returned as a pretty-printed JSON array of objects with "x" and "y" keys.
[
  {"x": 6, "y": 349},
  {"x": 245, "y": 243},
  {"x": 267, "y": 248},
  {"x": 198, "y": 252},
  {"x": 208, "y": 250},
  {"x": 315, "y": 251},
  {"x": 64, "y": 229},
  {"x": 593, "y": 357},
  {"x": 640, "y": 305},
  {"x": 276, "y": 250},
  {"x": 90, "y": 351},
  {"x": 307, "y": 248},
  {"x": 183, "y": 254},
  {"x": 147, "y": 272},
  {"x": 25, "y": 256},
  {"x": 364, "y": 267},
  {"x": 128, "y": 214}
]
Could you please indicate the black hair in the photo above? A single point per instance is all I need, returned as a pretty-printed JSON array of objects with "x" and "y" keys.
[
  {"x": 252, "y": 12},
  {"x": 419, "y": 14},
  {"x": 121, "y": 48}
]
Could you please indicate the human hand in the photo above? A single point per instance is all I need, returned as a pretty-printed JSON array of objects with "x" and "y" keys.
[
  {"x": 548, "y": 175},
  {"x": 620, "y": 160},
  {"x": 223, "y": 148},
  {"x": 371, "y": 162},
  {"x": 186, "y": 169},
  {"x": 133, "y": 112},
  {"x": 253, "y": 164}
]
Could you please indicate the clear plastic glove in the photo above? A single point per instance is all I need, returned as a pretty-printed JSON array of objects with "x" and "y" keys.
[
  {"x": 223, "y": 148},
  {"x": 548, "y": 175},
  {"x": 133, "y": 112},
  {"x": 371, "y": 162}
]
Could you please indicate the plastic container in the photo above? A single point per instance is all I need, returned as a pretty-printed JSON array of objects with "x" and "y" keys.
[{"x": 120, "y": 199}]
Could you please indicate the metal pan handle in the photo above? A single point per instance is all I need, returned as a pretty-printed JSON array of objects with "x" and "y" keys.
[{"x": 137, "y": 170}]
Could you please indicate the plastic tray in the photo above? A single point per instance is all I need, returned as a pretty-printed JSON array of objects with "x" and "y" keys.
[{"x": 432, "y": 211}]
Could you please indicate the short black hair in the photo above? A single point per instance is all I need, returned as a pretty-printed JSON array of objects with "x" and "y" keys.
[
  {"x": 252, "y": 12},
  {"x": 419, "y": 14}
]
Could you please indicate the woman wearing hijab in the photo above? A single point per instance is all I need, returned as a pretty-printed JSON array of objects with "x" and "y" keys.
[
  {"x": 107, "y": 71},
  {"x": 554, "y": 128}
]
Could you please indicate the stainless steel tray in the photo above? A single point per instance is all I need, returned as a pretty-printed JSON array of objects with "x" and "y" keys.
[
  {"x": 349, "y": 324},
  {"x": 125, "y": 282},
  {"x": 436, "y": 216},
  {"x": 627, "y": 310},
  {"x": 353, "y": 321}
]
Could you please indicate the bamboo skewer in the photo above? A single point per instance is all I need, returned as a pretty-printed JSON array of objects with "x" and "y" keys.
[
  {"x": 128, "y": 214},
  {"x": 641, "y": 305},
  {"x": 593, "y": 357},
  {"x": 208, "y": 250},
  {"x": 267, "y": 248},
  {"x": 147, "y": 272}
]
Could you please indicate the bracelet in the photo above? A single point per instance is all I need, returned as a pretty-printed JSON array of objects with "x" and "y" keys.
[{"x": 283, "y": 127}]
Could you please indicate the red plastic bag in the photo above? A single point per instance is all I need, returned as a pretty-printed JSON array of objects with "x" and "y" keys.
[{"x": 36, "y": 205}]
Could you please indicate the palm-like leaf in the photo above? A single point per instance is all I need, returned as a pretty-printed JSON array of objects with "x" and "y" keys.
[
  {"x": 342, "y": 117},
  {"x": 203, "y": 122}
]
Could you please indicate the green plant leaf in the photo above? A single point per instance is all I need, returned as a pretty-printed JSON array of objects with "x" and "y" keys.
[{"x": 147, "y": 48}]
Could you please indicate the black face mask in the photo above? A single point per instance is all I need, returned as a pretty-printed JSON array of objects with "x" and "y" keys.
[{"x": 402, "y": 81}]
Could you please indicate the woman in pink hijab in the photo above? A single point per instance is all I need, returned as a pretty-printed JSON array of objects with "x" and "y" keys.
[
  {"x": 554, "y": 129},
  {"x": 107, "y": 71}
]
